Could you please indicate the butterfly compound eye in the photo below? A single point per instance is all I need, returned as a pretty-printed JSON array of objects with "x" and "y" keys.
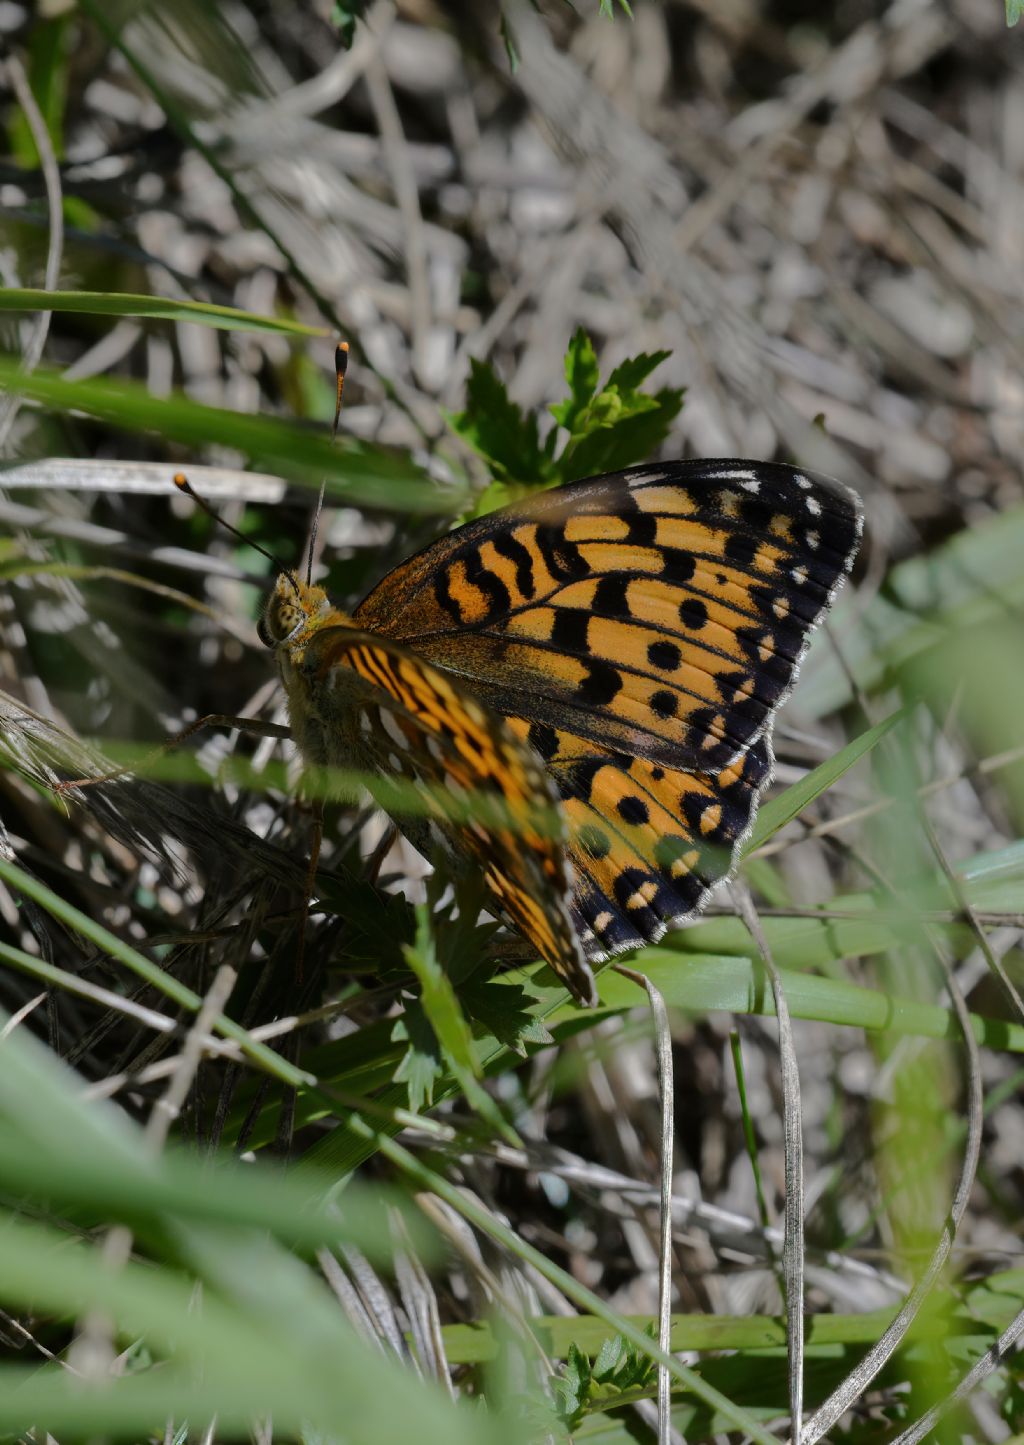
[
  {"x": 283, "y": 614},
  {"x": 263, "y": 630}
]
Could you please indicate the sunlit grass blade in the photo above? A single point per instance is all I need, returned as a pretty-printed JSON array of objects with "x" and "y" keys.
[
  {"x": 354, "y": 472},
  {"x": 780, "y": 810}
]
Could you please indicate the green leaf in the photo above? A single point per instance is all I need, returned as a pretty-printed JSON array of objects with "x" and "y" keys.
[
  {"x": 626, "y": 429},
  {"x": 447, "y": 1021},
  {"x": 421, "y": 1065},
  {"x": 497, "y": 430},
  {"x": 504, "y": 1011},
  {"x": 616, "y": 425},
  {"x": 572, "y": 1388},
  {"x": 123, "y": 303},
  {"x": 344, "y": 15},
  {"x": 438, "y": 997},
  {"x": 611, "y": 1356},
  {"x": 609, "y": 428},
  {"x": 632, "y": 373},
  {"x": 582, "y": 375},
  {"x": 1014, "y": 10}
]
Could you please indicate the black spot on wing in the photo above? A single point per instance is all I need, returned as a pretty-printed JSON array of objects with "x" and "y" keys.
[
  {"x": 740, "y": 548},
  {"x": 633, "y": 809},
  {"x": 693, "y": 613},
  {"x": 569, "y": 631},
  {"x": 679, "y": 566},
  {"x": 611, "y": 596},
  {"x": 664, "y": 655},
  {"x": 601, "y": 684},
  {"x": 543, "y": 739},
  {"x": 664, "y": 704}
]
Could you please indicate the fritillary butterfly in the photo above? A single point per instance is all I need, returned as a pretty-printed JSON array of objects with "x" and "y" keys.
[{"x": 611, "y": 653}]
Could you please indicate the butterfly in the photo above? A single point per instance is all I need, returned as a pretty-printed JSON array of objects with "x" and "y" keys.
[{"x": 604, "y": 662}]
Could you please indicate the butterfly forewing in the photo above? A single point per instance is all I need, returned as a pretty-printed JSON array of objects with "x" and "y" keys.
[{"x": 661, "y": 610}]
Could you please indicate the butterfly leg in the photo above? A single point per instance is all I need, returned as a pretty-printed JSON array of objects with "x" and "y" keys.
[{"x": 213, "y": 719}]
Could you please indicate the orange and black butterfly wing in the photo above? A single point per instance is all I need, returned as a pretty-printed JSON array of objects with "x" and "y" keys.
[
  {"x": 639, "y": 631},
  {"x": 662, "y": 611},
  {"x": 647, "y": 843},
  {"x": 488, "y": 794}
]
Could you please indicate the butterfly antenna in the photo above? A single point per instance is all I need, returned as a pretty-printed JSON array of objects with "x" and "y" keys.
[
  {"x": 340, "y": 368},
  {"x": 184, "y": 485}
]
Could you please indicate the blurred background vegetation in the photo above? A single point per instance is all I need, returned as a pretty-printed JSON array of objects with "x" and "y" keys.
[{"x": 359, "y": 1204}]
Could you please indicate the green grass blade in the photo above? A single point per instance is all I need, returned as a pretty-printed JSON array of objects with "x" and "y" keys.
[
  {"x": 163, "y": 308},
  {"x": 779, "y": 811},
  {"x": 370, "y": 476}
]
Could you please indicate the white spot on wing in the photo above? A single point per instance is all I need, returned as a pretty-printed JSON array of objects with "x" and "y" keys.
[
  {"x": 813, "y": 506},
  {"x": 813, "y": 541},
  {"x": 802, "y": 482}
]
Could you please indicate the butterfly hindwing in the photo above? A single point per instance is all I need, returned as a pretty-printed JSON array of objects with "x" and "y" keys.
[
  {"x": 647, "y": 842},
  {"x": 663, "y": 610}
]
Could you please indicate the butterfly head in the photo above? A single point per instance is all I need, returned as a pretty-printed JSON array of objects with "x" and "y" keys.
[{"x": 293, "y": 608}]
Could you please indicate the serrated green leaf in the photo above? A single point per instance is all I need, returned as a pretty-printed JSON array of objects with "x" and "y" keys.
[
  {"x": 448, "y": 1023},
  {"x": 573, "y": 1385},
  {"x": 635, "y": 370},
  {"x": 610, "y": 1358},
  {"x": 421, "y": 1065},
  {"x": 581, "y": 372},
  {"x": 496, "y": 428},
  {"x": 504, "y": 1011},
  {"x": 631, "y": 437}
]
